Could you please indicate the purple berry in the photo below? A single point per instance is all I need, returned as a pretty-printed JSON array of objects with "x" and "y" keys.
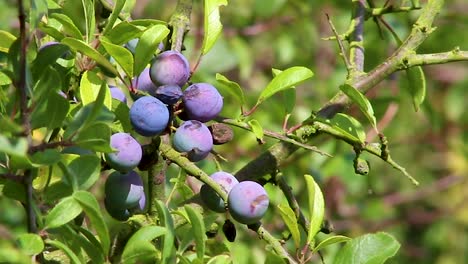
[
  {"x": 124, "y": 190},
  {"x": 169, "y": 93},
  {"x": 128, "y": 152},
  {"x": 202, "y": 102},
  {"x": 210, "y": 198},
  {"x": 248, "y": 202},
  {"x": 116, "y": 93},
  {"x": 149, "y": 116},
  {"x": 170, "y": 67},
  {"x": 143, "y": 83},
  {"x": 194, "y": 138}
]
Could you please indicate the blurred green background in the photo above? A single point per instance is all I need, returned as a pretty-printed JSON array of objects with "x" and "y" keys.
[{"x": 430, "y": 221}]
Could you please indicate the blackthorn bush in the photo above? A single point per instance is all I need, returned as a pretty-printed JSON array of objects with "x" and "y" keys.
[
  {"x": 128, "y": 152},
  {"x": 194, "y": 138},
  {"x": 248, "y": 202},
  {"x": 149, "y": 116},
  {"x": 170, "y": 67},
  {"x": 202, "y": 102},
  {"x": 210, "y": 198},
  {"x": 169, "y": 93}
]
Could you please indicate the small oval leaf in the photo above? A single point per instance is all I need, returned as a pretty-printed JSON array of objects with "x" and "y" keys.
[
  {"x": 232, "y": 88},
  {"x": 368, "y": 249},
  {"x": 212, "y": 23},
  {"x": 416, "y": 85},
  {"x": 316, "y": 207},
  {"x": 65, "y": 211},
  {"x": 330, "y": 241},
  {"x": 87, "y": 50},
  {"x": 198, "y": 229},
  {"x": 290, "y": 220},
  {"x": 121, "y": 55},
  {"x": 32, "y": 244},
  {"x": 362, "y": 102},
  {"x": 147, "y": 46},
  {"x": 284, "y": 80},
  {"x": 257, "y": 129}
]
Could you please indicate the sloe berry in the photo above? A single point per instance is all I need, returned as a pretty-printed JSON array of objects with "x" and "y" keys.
[
  {"x": 170, "y": 67},
  {"x": 202, "y": 102},
  {"x": 210, "y": 197},
  {"x": 248, "y": 202},
  {"x": 194, "y": 138},
  {"x": 149, "y": 116}
]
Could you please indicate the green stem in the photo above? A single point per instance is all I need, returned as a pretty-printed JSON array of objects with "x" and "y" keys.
[
  {"x": 275, "y": 244},
  {"x": 180, "y": 23}
]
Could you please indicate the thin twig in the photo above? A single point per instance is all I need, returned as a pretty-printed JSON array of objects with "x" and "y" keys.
[{"x": 340, "y": 44}]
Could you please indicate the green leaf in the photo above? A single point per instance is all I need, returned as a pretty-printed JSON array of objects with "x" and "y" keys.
[
  {"x": 87, "y": 115},
  {"x": 98, "y": 251},
  {"x": 198, "y": 229},
  {"x": 85, "y": 170},
  {"x": 90, "y": 86},
  {"x": 330, "y": 241},
  {"x": 91, "y": 207},
  {"x": 212, "y": 23},
  {"x": 94, "y": 252},
  {"x": 133, "y": 249},
  {"x": 119, "y": 4},
  {"x": 122, "y": 115},
  {"x": 4, "y": 78},
  {"x": 316, "y": 207},
  {"x": 17, "y": 146},
  {"x": 257, "y": 129},
  {"x": 289, "y": 99},
  {"x": 68, "y": 26},
  {"x": 87, "y": 50},
  {"x": 232, "y": 88},
  {"x": 46, "y": 157},
  {"x": 290, "y": 220},
  {"x": 95, "y": 137},
  {"x": 165, "y": 219},
  {"x": 6, "y": 39},
  {"x": 147, "y": 46},
  {"x": 51, "y": 113},
  {"x": 416, "y": 85},
  {"x": 285, "y": 80},
  {"x": 65, "y": 211},
  {"x": 123, "y": 32},
  {"x": 31, "y": 244},
  {"x": 121, "y": 55},
  {"x": 14, "y": 190},
  {"x": 362, "y": 102},
  {"x": 37, "y": 11},
  {"x": 89, "y": 16},
  {"x": 73, "y": 257},
  {"x": 144, "y": 253},
  {"x": 47, "y": 56},
  {"x": 51, "y": 31},
  {"x": 368, "y": 249},
  {"x": 147, "y": 22},
  {"x": 348, "y": 125}
]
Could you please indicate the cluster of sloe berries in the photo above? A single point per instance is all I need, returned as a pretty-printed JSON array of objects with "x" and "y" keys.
[
  {"x": 160, "y": 94},
  {"x": 247, "y": 200}
]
